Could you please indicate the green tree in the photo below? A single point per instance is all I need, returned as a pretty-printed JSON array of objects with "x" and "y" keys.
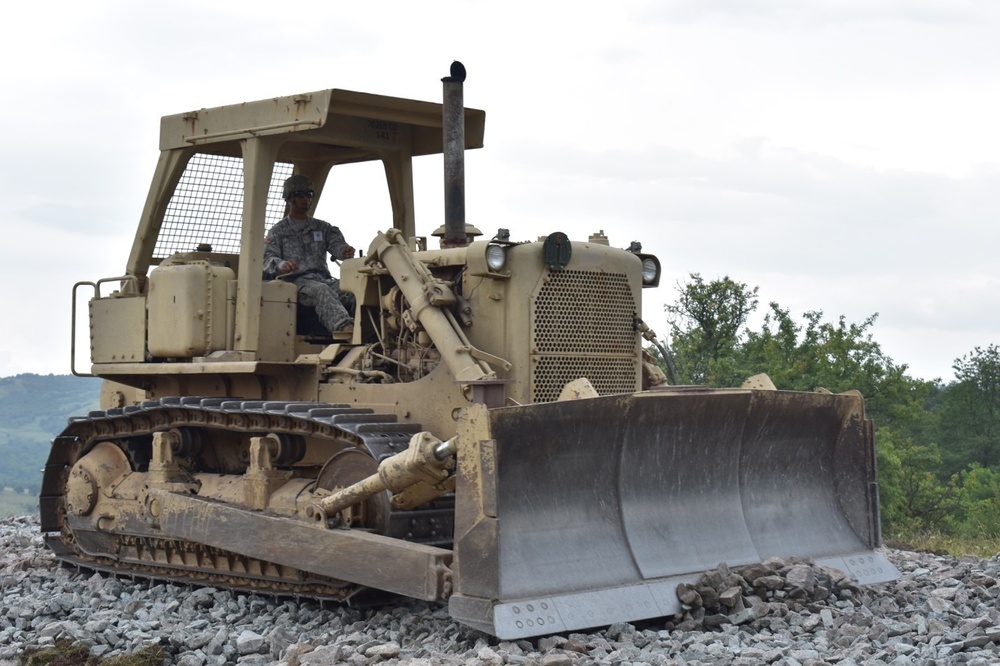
[
  {"x": 712, "y": 345},
  {"x": 978, "y": 515},
  {"x": 969, "y": 412},
  {"x": 911, "y": 498},
  {"x": 706, "y": 328},
  {"x": 838, "y": 356}
]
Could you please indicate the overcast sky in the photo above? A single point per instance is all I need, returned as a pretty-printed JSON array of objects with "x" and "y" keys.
[{"x": 841, "y": 155}]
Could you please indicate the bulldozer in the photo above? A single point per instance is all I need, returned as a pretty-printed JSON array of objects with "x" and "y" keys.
[{"x": 491, "y": 434}]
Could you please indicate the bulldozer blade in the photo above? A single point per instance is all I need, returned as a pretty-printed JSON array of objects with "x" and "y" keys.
[{"x": 589, "y": 512}]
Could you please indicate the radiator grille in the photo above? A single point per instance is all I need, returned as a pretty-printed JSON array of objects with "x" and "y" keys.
[
  {"x": 589, "y": 313},
  {"x": 607, "y": 375},
  {"x": 584, "y": 327}
]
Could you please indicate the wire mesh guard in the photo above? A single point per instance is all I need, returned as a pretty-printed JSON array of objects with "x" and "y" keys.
[{"x": 207, "y": 206}]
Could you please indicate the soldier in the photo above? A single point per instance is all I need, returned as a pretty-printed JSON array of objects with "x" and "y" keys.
[{"x": 296, "y": 249}]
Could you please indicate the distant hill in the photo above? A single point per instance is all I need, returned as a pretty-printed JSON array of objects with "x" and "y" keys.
[{"x": 33, "y": 410}]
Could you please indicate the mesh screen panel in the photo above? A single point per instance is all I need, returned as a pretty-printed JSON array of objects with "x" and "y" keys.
[
  {"x": 607, "y": 375},
  {"x": 579, "y": 313},
  {"x": 207, "y": 206}
]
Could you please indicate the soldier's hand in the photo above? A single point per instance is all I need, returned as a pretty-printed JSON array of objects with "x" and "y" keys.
[
  {"x": 348, "y": 252},
  {"x": 289, "y": 266}
]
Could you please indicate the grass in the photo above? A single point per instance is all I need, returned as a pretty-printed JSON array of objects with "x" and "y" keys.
[
  {"x": 67, "y": 653},
  {"x": 983, "y": 547}
]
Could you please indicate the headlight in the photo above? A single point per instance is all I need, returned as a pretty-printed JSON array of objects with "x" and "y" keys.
[
  {"x": 650, "y": 271},
  {"x": 496, "y": 257}
]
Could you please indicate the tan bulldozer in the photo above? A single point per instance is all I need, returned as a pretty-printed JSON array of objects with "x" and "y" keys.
[{"x": 490, "y": 435}]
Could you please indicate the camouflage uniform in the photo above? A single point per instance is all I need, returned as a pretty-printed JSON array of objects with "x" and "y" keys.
[{"x": 309, "y": 242}]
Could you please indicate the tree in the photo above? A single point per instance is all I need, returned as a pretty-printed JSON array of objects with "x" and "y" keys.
[
  {"x": 838, "y": 356},
  {"x": 712, "y": 345},
  {"x": 706, "y": 326},
  {"x": 970, "y": 411},
  {"x": 911, "y": 498},
  {"x": 978, "y": 516}
]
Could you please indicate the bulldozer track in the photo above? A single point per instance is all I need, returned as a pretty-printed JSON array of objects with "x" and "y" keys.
[
  {"x": 300, "y": 587},
  {"x": 184, "y": 562}
]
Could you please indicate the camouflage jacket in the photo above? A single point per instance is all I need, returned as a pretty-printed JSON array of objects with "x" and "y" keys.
[{"x": 308, "y": 242}]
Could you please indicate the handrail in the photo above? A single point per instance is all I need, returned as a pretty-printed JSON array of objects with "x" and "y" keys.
[{"x": 97, "y": 294}]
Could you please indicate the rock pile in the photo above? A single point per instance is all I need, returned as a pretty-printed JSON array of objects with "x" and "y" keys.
[
  {"x": 942, "y": 610},
  {"x": 740, "y": 596}
]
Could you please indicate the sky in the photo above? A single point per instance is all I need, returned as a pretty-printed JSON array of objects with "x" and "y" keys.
[{"x": 840, "y": 155}]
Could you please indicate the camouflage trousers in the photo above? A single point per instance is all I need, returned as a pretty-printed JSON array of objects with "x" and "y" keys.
[{"x": 324, "y": 295}]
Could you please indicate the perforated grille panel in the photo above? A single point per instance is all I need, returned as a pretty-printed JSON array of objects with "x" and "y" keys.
[
  {"x": 607, "y": 375},
  {"x": 207, "y": 206},
  {"x": 584, "y": 327},
  {"x": 584, "y": 312}
]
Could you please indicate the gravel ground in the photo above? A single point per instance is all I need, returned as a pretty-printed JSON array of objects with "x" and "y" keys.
[{"x": 942, "y": 610}]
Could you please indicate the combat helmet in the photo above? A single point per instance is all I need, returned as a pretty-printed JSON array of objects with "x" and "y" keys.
[{"x": 297, "y": 183}]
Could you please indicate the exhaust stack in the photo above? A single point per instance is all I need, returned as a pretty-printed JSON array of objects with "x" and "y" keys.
[{"x": 453, "y": 128}]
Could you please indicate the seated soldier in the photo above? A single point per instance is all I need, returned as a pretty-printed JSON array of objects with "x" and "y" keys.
[{"x": 296, "y": 249}]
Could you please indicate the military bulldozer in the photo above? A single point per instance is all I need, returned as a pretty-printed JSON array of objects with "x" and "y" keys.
[{"x": 491, "y": 435}]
